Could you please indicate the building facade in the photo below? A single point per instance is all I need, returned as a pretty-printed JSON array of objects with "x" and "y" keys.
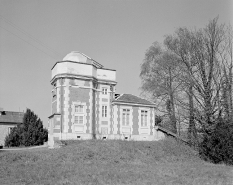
[{"x": 85, "y": 105}]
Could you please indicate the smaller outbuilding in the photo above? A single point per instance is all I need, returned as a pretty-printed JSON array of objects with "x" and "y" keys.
[{"x": 8, "y": 120}]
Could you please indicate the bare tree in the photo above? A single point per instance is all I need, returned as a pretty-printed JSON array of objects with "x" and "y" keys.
[
  {"x": 159, "y": 72},
  {"x": 226, "y": 58},
  {"x": 198, "y": 52},
  {"x": 192, "y": 76},
  {"x": 181, "y": 43}
]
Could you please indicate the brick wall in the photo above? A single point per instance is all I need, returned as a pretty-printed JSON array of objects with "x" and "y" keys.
[
  {"x": 135, "y": 121},
  {"x": 80, "y": 95}
]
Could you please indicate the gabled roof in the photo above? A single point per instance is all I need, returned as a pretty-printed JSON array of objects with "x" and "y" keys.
[
  {"x": 131, "y": 99},
  {"x": 11, "y": 117}
]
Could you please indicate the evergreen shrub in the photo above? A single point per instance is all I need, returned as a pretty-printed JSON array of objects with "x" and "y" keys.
[{"x": 217, "y": 146}]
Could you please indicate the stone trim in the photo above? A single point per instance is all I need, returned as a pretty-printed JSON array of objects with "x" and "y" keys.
[
  {"x": 115, "y": 118},
  {"x": 83, "y": 77},
  {"x": 66, "y": 106},
  {"x": 132, "y": 104}
]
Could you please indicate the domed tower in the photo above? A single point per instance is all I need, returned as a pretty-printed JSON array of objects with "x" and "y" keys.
[{"x": 82, "y": 91}]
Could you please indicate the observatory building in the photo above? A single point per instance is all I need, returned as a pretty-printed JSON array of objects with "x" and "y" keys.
[{"x": 86, "y": 106}]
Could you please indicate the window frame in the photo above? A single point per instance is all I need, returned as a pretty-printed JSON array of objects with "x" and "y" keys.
[
  {"x": 144, "y": 118},
  {"x": 104, "y": 90},
  {"x": 79, "y": 112},
  {"x": 104, "y": 111},
  {"x": 78, "y": 119},
  {"x": 10, "y": 129},
  {"x": 125, "y": 117}
]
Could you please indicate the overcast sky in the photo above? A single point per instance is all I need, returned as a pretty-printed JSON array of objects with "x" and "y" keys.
[{"x": 34, "y": 34}]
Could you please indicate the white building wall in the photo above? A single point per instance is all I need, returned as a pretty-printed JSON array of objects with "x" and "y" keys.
[
  {"x": 72, "y": 68},
  {"x": 105, "y": 74}
]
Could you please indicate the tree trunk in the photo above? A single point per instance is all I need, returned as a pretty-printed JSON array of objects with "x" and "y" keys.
[
  {"x": 192, "y": 132},
  {"x": 172, "y": 105},
  {"x": 230, "y": 94}
]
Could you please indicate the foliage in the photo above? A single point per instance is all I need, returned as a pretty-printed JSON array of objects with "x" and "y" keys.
[
  {"x": 218, "y": 145},
  {"x": 159, "y": 74},
  {"x": 13, "y": 138},
  {"x": 158, "y": 120},
  {"x": 29, "y": 133}
]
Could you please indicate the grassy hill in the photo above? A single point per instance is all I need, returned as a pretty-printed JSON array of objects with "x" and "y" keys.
[{"x": 111, "y": 162}]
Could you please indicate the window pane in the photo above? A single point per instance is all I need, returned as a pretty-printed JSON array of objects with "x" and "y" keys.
[
  {"x": 145, "y": 123},
  {"x": 76, "y": 119},
  {"x": 104, "y": 90},
  {"x": 104, "y": 111},
  {"x": 80, "y": 119},
  {"x": 142, "y": 120},
  {"x": 123, "y": 118},
  {"x": 127, "y": 122},
  {"x": 81, "y": 108}
]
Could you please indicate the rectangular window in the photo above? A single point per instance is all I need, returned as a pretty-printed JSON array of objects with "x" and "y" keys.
[
  {"x": 54, "y": 91},
  {"x": 79, "y": 108},
  {"x": 104, "y": 111},
  {"x": 143, "y": 118},
  {"x": 125, "y": 117},
  {"x": 104, "y": 90},
  {"x": 10, "y": 129},
  {"x": 78, "y": 120}
]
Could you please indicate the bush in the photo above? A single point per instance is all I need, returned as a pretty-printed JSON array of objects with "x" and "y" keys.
[
  {"x": 158, "y": 120},
  {"x": 217, "y": 147},
  {"x": 29, "y": 133}
]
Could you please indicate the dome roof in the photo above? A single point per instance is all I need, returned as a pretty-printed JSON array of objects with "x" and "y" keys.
[{"x": 76, "y": 56}]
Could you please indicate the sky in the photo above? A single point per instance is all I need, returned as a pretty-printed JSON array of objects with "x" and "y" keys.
[{"x": 34, "y": 34}]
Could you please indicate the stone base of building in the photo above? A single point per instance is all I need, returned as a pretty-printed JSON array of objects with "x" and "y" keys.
[{"x": 82, "y": 136}]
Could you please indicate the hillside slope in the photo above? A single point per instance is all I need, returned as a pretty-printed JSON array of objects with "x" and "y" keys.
[{"x": 111, "y": 162}]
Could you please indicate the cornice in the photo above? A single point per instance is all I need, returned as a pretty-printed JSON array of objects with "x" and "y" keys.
[
  {"x": 84, "y": 64},
  {"x": 134, "y": 104},
  {"x": 82, "y": 77}
]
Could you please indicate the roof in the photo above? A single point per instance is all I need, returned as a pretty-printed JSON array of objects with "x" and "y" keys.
[
  {"x": 11, "y": 117},
  {"x": 79, "y": 57},
  {"x": 132, "y": 99},
  {"x": 168, "y": 132},
  {"x": 54, "y": 114}
]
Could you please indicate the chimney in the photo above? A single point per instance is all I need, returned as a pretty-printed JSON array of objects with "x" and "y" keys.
[{"x": 117, "y": 95}]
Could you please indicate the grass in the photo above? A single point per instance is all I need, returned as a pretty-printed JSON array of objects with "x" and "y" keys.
[{"x": 111, "y": 162}]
